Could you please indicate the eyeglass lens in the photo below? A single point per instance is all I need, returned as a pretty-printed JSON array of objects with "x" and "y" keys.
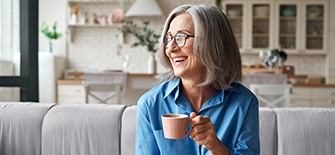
[{"x": 179, "y": 39}]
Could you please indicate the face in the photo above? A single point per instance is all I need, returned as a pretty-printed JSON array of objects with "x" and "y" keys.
[{"x": 183, "y": 60}]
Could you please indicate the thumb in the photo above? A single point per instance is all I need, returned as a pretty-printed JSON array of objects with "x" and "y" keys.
[{"x": 192, "y": 115}]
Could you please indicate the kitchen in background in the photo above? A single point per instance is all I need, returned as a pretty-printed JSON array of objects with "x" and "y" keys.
[{"x": 88, "y": 48}]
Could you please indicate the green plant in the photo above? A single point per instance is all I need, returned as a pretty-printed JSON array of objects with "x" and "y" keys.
[
  {"x": 50, "y": 34},
  {"x": 144, "y": 35},
  {"x": 218, "y": 4}
]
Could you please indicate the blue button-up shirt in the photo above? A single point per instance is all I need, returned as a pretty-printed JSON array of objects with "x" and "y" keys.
[{"x": 234, "y": 113}]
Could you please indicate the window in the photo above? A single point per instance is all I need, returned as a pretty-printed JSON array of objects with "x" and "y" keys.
[{"x": 9, "y": 29}]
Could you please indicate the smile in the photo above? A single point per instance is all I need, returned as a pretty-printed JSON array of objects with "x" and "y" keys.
[{"x": 179, "y": 59}]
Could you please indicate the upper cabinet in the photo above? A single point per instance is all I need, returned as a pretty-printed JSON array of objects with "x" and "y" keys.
[{"x": 298, "y": 27}]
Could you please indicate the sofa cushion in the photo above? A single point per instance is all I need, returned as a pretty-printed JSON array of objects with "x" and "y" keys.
[
  {"x": 20, "y": 128},
  {"x": 92, "y": 129},
  {"x": 267, "y": 131},
  {"x": 305, "y": 131},
  {"x": 128, "y": 131}
]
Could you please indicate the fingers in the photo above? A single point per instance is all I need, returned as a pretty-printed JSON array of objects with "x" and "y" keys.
[
  {"x": 198, "y": 120},
  {"x": 202, "y": 130}
]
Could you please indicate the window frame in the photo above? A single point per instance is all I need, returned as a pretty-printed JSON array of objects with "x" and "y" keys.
[{"x": 28, "y": 78}]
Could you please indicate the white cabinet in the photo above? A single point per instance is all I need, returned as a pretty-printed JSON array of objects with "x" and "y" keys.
[
  {"x": 313, "y": 97},
  {"x": 299, "y": 27},
  {"x": 70, "y": 93},
  {"x": 301, "y": 97},
  {"x": 252, "y": 23},
  {"x": 324, "y": 97}
]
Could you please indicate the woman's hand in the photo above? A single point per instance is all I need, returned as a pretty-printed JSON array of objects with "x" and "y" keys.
[{"x": 203, "y": 132}]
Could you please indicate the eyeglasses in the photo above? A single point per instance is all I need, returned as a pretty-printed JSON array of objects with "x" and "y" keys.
[{"x": 179, "y": 39}]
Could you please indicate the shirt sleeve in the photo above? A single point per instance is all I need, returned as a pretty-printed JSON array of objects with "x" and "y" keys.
[
  {"x": 145, "y": 139},
  {"x": 248, "y": 141}
]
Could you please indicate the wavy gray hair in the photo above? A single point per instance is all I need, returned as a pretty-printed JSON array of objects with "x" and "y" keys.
[{"x": 214, "y": 45}]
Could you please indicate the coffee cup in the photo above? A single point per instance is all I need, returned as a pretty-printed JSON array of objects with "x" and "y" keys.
[{"x": 174, "y": 125}]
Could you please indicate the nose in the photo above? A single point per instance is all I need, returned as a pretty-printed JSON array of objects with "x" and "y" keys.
[{"x": 172, "y": 45}]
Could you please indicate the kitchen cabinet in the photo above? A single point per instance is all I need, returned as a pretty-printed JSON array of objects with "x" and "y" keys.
[
  {"x": 301, "y": 97},
  {"x": 95, "y": 14},
  {"x": 73, "y": 92},
  {"x": 323, "y": 97},
  {"x": 301, "y": 26},
  {"x": 298, "y": 27},
  {"x": 252, "y": 23},
  {"x": 313, "y": 97}
]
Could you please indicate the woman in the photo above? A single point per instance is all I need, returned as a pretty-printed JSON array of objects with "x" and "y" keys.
[{"x": 204, "y": 69}]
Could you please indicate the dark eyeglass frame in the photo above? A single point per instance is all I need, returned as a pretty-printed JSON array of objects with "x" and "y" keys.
[{"x": 179, "y": 37}]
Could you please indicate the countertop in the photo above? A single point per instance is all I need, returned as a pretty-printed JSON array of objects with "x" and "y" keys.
[
  {"x": 135, "y": 75},
  {"x": 314, "y": 85},
  {"x": 80, "y": 81}
]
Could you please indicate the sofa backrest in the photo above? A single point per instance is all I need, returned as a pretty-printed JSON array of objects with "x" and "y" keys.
[
  {"x": 306, "y": 131},
  {"x": 49, "y": 129},
  {"x": 92, "y": 129},
  {"x": 20, "y": 128}
]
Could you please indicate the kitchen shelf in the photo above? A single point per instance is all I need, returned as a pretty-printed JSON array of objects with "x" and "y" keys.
[
  {"x": 87, "y": 13},
  {"x": 93, "y": 1},
  {"x": 119, "y": 25}
]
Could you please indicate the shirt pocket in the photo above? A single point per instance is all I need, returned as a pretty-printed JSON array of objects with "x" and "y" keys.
[{"x": 175, "y": 146}]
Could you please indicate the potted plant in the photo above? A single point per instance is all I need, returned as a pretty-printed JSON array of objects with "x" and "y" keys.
[
  {"x": 144, "y": 37},
  {"x": 51, "y": 35}
]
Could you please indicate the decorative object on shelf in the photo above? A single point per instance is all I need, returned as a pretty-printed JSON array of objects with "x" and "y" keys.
[
  {"x": 116, "y": 16},
  {"x": 314, "y": 11},
  {"x": 274, "y": 58},
  {"x": 145, "y": 37},
  {"x": 126, "y": 64},
  {"x": 234, "y": 13},
  {"x": 151, "y": 64},
  {"x": 74, "y": 15},
  {"x": 144, "y": 8},
  {"x": 288, "y": 11},
  {"x": 261, "y": 11},
  {"x": 51, "y": 35}
]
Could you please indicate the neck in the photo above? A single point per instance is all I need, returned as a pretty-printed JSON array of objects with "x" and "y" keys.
[{"x": 197, "y": 96}]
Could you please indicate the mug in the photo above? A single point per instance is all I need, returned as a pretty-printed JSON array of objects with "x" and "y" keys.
[{"x": 174, "y": 125}]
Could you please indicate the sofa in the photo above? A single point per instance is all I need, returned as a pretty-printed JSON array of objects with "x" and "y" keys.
[{"x": 99, "y": 129}]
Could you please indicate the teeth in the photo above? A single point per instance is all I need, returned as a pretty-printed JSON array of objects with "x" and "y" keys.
[{"x": 179, "y": 59}]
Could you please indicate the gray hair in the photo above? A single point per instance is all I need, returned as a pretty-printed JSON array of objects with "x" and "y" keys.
[{"x": 214, "y": 45}]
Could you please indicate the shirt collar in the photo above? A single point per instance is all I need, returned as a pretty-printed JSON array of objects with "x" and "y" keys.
[
  {"x": 216, "y": 99},
  {"x": 172, "y": 85}
]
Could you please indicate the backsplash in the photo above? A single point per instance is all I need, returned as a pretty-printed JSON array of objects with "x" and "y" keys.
[{"x": 98, "y": 48}]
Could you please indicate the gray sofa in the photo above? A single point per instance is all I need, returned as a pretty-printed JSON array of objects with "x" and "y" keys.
[{"x": 97, "y": 129}]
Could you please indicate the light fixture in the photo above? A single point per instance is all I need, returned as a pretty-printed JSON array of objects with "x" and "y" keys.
[{"x": 144, "y": 8}]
